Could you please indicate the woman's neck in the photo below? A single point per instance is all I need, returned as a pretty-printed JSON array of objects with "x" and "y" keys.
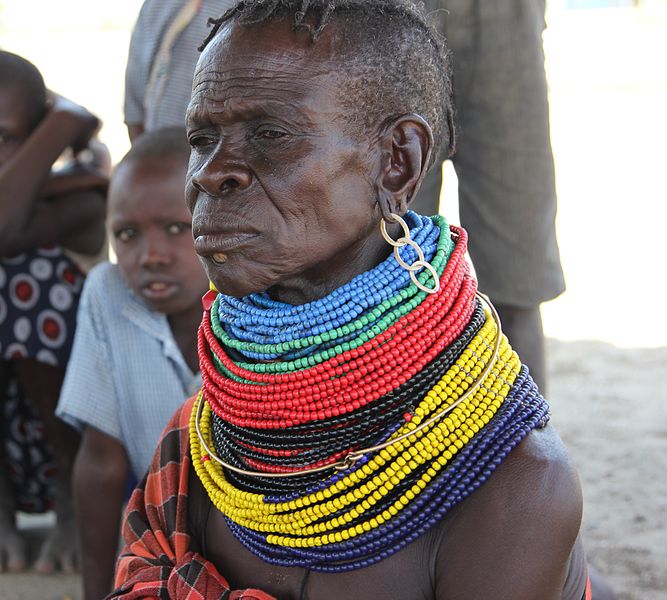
[{"x": 318, "y": 282}]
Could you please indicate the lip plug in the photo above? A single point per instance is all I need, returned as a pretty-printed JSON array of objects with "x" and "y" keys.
[{"x": 219, "y": 257}]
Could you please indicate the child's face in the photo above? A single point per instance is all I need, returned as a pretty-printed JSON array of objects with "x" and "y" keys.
[
  {"x": 150, "y": 230},
  {"x": 15, "y": 122}
]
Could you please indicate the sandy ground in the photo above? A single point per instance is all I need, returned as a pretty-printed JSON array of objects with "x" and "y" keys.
[
  {"x": 609, "y": 398},
  {"x": 611, "y": 411}
]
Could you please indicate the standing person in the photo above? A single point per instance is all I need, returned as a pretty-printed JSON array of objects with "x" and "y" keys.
[
  {"x": 162, "y": 58},
  {"x": 503, "y": 161},
  {"x": 134, "y": 359},
  {"x": 43, "y": 213},
  {"x": 364, "y": 429}
]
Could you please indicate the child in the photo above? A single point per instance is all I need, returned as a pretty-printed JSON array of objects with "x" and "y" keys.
[
  {"x": 134, "y": 358},
  {"x": 41, "y": 213}
]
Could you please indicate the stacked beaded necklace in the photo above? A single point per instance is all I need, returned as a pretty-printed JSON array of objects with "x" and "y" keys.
[{"x": 334, "y": 433}]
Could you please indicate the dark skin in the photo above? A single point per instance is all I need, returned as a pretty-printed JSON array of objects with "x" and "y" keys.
[
  {"x": 150, "y": 231},
  {"x": 100, "y": 478},
  {"x": 482, "y": 549},
  {"x": 286, "y": 199},
  {"x": 38, "y": 208}
]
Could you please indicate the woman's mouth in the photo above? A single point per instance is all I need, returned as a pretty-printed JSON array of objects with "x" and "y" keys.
[{"x": 217, "y": 246}]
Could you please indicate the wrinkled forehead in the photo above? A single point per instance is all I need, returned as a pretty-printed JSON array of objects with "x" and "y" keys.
[{"x": 242, "y": 60}]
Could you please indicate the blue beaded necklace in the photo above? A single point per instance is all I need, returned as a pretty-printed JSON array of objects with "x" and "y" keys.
[
  {"x": 480, "y": 450},
  {"x": 259, "y": 319}
]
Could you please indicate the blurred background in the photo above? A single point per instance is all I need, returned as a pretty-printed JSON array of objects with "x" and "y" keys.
[{"x": 607, "y": 72}]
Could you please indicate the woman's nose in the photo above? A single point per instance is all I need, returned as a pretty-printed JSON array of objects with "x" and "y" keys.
[{"x": 220, "y": 176}]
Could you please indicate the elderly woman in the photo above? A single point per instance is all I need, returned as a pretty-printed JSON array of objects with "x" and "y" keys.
[{"x": 364, "y": 429}]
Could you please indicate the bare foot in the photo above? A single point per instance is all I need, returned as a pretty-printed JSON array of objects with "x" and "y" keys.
[
  {"x": 13, "y": 550},
  {"x": 59, "y": 550}
]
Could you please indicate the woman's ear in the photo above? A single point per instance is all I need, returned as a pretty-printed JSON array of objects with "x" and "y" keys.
[{"x": 406, "y": 147}]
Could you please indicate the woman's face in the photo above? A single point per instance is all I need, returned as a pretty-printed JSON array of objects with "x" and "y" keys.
[{"x": 281, "y": 192}]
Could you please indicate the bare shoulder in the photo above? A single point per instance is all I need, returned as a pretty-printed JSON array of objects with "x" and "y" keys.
[
  {"x": 518, "y": 529},
  {"x": 540, "y": 470}
]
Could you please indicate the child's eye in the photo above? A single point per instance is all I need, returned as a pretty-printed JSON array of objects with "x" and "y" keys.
[
  {"x": 125, "y": 234},
  {"x": 7, "y": 138},
  {"x": 177, "y": 228}
]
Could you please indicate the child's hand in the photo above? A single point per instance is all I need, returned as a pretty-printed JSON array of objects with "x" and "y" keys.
[
  {"x": 87, "y": 123},
  {"x": 99, "y": 157},
  {"x": 75, "y": 177}
]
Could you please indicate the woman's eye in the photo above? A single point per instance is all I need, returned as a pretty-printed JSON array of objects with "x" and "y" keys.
[
  {"x": 271, "y": 133},
  {"x": 125, "y": 235},
  {"x": 200, "y": 141},
  {"x": 177, "y": 228}
]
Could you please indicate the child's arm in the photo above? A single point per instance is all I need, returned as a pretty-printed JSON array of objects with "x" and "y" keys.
[
  {"x": 89, "y": 240},
  {"x": 73, "y": 203},
  {"x": 24, "y": 175},
  {"x": 100, "y": 477},
  {"x": 75, "y": 221}
]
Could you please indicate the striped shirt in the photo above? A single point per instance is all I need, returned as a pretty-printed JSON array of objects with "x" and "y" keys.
[
  {"x": 126, "y": 375},
  {"x": 165, "y": 103}
]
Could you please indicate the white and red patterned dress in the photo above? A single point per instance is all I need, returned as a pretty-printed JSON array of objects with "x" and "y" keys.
[{"x": 39, "y": 297}]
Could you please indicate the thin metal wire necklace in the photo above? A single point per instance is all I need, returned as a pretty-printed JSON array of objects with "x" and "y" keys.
[{"x": 335, "y": 459}]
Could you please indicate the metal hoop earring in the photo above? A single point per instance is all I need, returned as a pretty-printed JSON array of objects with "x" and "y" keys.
[{"x": 420, "y": 263}]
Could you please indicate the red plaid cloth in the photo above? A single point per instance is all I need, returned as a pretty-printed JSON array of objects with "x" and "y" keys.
[{"x": 156, "y": 561}]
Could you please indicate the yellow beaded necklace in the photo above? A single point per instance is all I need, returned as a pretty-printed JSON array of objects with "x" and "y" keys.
[{"x": 325, "y": 516}]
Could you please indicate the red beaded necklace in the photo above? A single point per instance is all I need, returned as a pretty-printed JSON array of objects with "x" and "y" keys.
[{"x": 351, "y": 379}]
